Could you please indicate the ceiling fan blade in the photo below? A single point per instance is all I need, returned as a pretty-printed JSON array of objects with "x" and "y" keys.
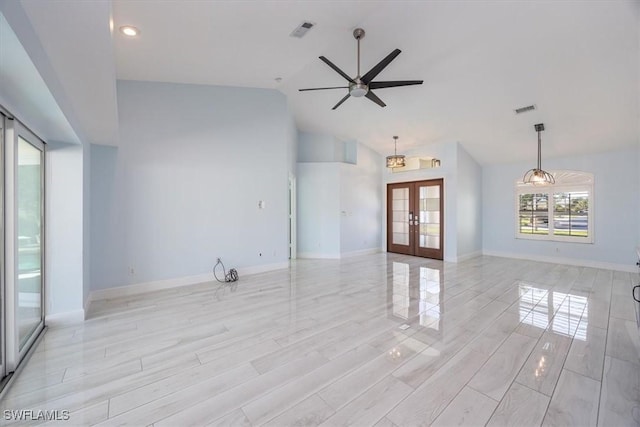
[
  {"x": 372, "y": 96},
  {"x": 336, "y": 69},
  {"x": 341, "y": 101},
  {"x": 324, "y": 88},
  {"x": 382, "y": 85},
  {"x": 372, "y": 73}
]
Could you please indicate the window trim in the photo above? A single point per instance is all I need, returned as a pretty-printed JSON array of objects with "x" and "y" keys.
[{"x": 550, "y": 190}]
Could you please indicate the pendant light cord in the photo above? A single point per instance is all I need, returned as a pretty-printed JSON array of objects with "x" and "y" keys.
[{"x": 539, "y": 152}]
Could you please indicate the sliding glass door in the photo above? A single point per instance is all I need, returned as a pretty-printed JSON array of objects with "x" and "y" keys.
[
  {"x": 24, "y": 241},
  {"x": 3, "y": 370}
]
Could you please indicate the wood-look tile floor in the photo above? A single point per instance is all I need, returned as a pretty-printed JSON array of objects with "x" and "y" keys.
[{"x": 378, "y": 340}]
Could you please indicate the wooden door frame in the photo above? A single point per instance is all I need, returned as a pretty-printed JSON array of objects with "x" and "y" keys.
[
  {"x": 413, "y": 248},
  {"x": 429, "y": 252},
  {"x": 391, "y": 247}
]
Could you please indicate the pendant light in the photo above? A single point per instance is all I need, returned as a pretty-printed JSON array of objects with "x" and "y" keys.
[
  {"x": 538, "y": 176},
  {"x": 395, "y": 161}
]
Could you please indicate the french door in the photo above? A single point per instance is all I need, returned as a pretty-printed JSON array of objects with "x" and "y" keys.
[{"x": 415, "y": 213}]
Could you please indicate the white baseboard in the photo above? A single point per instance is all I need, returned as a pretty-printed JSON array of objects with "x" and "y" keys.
[
  {"x": 567, "y": 261},
  {"x": 66, "y": 318},
  {"x": 247, "y": 271},
  {"x": 317, "y": 255},
  {"x": 87, "y": 305},
  {"x": 367, "y": 251},
  {"x": 157, "y": 285},
  {"x": 469, "y": 256}
]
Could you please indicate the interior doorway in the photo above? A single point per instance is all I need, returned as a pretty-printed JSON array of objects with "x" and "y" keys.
[{"x": 415, "y": 218}]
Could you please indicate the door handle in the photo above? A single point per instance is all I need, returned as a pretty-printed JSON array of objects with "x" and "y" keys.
[{"x": 633, "y": 293}]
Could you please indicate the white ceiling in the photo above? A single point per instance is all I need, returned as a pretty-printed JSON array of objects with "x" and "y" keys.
[{"x": 578, "y": 61}]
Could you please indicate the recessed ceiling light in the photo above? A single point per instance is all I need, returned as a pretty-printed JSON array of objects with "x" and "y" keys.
[{"x": 129, "y": 31}]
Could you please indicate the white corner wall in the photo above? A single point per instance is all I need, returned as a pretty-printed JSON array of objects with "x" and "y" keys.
[
  {"x": 615, "y": 212},
  {"x": 184, "y": 185},
  {"x": 64, "y": 255},
  {"x": 469, "y": 205}
]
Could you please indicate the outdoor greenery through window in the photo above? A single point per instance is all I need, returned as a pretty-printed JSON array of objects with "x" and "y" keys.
[{"x": 562, "y": 211}]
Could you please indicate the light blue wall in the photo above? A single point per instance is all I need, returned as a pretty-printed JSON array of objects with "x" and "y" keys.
[
  {"x": 469, "y": 207},
  {"x": 183, "y": 188},
  {"x": 315, "y": 147},
  {"x": 86, "y": 223},
  {"x": 318, "y": 210},
  {"x": 361, "y": 202},
  {"x": 339, "y": 205},
  {"x": 108, "y": 227},
  {"x": 615, "y": 209}
]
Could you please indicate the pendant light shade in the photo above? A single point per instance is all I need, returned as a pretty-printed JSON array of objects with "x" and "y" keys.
[
  {"x": 538, "y": 176},
  {"x": 395, "y": 161}
]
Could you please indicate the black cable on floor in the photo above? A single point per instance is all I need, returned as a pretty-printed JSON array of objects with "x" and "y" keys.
[{"x": 231, "y": 276}]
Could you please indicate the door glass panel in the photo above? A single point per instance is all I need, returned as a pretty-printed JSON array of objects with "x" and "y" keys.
[
  {"x": 400, "y": 216},
  {"x": 29, "y": 204},
  {"x": 429, "y": 204}
]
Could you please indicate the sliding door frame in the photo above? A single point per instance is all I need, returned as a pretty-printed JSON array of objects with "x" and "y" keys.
[
  {"x": 14, "y": 353},
  {"x": 3, "y": 317}
]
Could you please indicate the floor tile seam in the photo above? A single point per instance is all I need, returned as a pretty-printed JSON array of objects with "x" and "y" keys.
[
  {"x": 55, "y": 397},
  {"x": 108, "y": 365},
  {"x": 175, "y": 391},
  {"x": 191, "y": 404},
  {"x": 67, "y": 395},
  {"x": 390, "y": 374},
  {"x": 604, "y": 359},
  {"x": 582, "y": 373},
  {"x": 67, "y": 344},
  {"x": 449, "y": 403},
  {"x": 572, "y": 336},
  {"x": 515, "y": 377},
  {"x": 180, "y": 372},
  {"x": 20, "y": 394},
  {"x": 98, "y": 372},
  {"x": 279, "y": 386},
  {"x": 484, "y": 394},
  {"x": 314, "y": 348},
  {"x": 341, "y": 407}
]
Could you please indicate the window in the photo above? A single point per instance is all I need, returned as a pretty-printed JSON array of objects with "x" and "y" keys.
[{"x": 560, "y": 212}]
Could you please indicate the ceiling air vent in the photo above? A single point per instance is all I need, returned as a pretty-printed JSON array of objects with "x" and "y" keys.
[
  {"x": 525, "y": 109},
  {"x": 302, "y": 29}
]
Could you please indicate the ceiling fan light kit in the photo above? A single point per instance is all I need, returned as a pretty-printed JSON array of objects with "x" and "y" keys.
[
  {"x": 360, "y": 86},
  {"x": 538, "y": 176}
]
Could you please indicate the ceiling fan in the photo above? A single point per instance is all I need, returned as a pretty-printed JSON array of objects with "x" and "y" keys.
[{"x": 362, "y": 85}]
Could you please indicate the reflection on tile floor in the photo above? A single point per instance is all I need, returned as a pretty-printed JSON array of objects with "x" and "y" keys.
[{"x": 380, "y": 339}]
